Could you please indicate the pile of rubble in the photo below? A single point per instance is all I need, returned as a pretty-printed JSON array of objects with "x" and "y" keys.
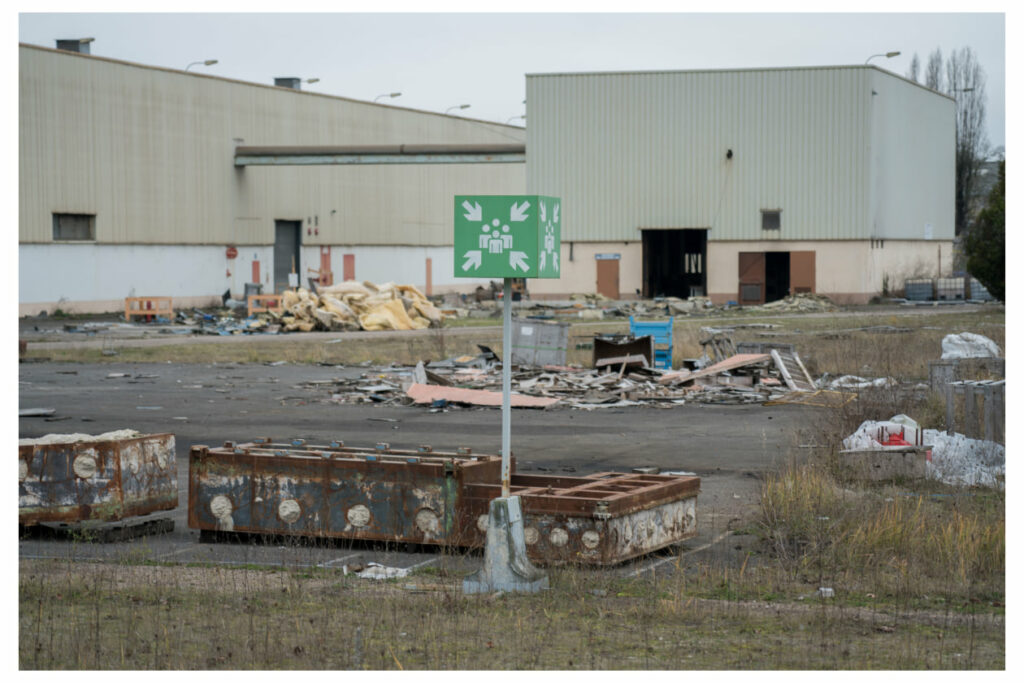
[
  {"x": 350, "y": 306},
  {"x": 476, "y": 380},
  {"x": 803, "y": 302}
]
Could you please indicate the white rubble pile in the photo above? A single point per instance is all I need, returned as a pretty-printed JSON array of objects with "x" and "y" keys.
[
  {"x": 968, "y": 345},
  {"x": 956, "y": 460},
  {"x": 960, "y": 461}
]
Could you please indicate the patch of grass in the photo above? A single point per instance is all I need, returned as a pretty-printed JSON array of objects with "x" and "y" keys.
[
  {"x": 110, "y": 617},
  {"x": 882, "y": 540}
]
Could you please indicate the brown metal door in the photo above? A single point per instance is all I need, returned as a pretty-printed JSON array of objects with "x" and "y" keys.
[
  {"x": 801, "y": 272},
  {"x": 751, "y": 278},
  {"x": 348, "y": 267},
  {"x": 608, "y": 277}
]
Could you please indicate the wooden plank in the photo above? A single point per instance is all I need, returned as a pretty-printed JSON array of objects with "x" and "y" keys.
[
  {"x": 738, "y": 361},
  {"x": 782, "y": 369},
  {"x": 807, "y": 375}
]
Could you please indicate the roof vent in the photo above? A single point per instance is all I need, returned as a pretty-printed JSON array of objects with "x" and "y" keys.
[
  {"x": 291, "y": 82},
  {"x": 75, "y": 44}
]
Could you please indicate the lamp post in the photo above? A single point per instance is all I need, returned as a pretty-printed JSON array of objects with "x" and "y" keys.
[
  {"x": 887, "y": 55},
  {"x": 204, "y": 62},
  {"x": 523, "y": 117},
  {"x": 457, "y": 106},
  {"x": 387, "y": 94},
  {"x": 311, "y": 80}
]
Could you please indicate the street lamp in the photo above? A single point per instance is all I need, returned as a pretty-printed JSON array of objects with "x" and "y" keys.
[
  {"x": 389, "y": 94},
  {"x": 207, "y": 62},
  {"x": 523, "y": 117},
  {"x": 887, "y": 55},
  {"x": 457, "y": 106},
  {"x": 311, "y": 80}
]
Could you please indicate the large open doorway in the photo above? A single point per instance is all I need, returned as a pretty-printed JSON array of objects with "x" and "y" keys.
[
  {"x": 287, "y": 246},
  {"x": 675, "y": 262},
  {"x": 776, "y": 275},
  {"x": 767, "y": 276}
]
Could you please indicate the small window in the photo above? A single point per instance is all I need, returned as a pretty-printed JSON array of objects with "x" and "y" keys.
[
  {"x": 74, "y": 227},
  {"x": 771, "y": 220}
]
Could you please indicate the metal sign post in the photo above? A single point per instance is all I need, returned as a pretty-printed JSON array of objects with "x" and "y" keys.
[{"x": 508, "y": 237}]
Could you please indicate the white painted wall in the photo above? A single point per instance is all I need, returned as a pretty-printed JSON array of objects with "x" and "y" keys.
[{"x": 109, "y": 273}]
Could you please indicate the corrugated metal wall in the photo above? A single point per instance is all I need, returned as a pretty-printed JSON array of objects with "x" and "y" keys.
[
  {"x": 150, "y": 152},
  {"x": 648, "y": 150}
]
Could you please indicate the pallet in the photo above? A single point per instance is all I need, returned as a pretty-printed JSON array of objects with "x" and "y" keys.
[
  {"x": 158, "y": 306},
  {"x": 265, "y": 303}
]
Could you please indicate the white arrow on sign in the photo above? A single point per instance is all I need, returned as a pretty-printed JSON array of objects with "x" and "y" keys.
[
  {"x": 556, "y": 212},
  {"x": 472, "y": 259},
  {"x": 555, "y": 258},
  {"x": 518, "y": 213},
  {"x": 473, "y": 213},
  {"x": 517, "y": 259}
]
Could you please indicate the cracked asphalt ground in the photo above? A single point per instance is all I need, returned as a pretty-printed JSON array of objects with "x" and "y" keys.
[{"x": 728, "y": 446}]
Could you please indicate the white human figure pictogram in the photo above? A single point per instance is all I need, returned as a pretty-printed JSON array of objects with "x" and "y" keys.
[{"x": 494, "y": 245}]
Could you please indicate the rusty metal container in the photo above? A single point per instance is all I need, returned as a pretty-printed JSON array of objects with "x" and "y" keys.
[
  {"x": 432, "y": 497},
  {"x": 109, "y": 477},
  {"x": 599, "y": 519},
  {"x": 334, "y": 491}
]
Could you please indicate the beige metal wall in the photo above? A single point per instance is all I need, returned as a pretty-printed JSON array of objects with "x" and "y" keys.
[
  {"x": 150, "y": 152},
  {"x": 648, "y": 150},
  {"x": 848, "y": 271},
  {"x": 913, "y": 143}
]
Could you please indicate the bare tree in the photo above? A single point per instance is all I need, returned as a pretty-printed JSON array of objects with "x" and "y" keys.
[
  {"x": 933, "y": 70},
  {"x": 914, "y": 69},
  {"x": 965, "y": 82}
]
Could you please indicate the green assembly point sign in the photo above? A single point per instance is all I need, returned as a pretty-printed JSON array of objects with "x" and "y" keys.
[{"x": 508, "y": 236}]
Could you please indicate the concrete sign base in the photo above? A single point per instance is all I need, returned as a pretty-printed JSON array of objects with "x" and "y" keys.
[{"x": 506, "y": 567}]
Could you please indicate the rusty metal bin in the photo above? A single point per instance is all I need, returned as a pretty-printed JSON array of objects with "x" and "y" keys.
[
  {"x": 333, "y": 491},
  {"x": 96, "y": 478}
]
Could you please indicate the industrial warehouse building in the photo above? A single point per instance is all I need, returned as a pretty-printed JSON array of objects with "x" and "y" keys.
[
  {"x": 744, "y": 185},
  {"x": 131, "y": 185}
]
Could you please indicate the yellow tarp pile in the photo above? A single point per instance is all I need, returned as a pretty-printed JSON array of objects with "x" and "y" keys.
[{"x": 359, "y": 306}]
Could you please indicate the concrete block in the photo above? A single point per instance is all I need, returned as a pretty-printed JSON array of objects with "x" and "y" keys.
[{"x": 506, "y": 567}]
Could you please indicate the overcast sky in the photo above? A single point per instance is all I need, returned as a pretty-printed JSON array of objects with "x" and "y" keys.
[{"x": 441, "y": 60}]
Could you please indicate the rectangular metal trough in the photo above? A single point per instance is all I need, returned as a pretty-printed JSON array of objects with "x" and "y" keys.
[
  {"x": 333, "y": 491},
  {"x": 110, "y": 477},
  {"x": 426, "y": 496}
]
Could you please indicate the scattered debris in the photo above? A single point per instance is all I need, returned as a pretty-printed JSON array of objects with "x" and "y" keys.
[
  {"x": 375, "y": 570},
  {"x": 36, "y": 412},
  {"x": 953, "y": 459},
  {"x": 855, "y": 382}
]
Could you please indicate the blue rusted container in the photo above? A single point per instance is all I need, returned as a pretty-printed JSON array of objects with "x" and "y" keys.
[
  {"x": 333, "y": 491},
  {"x": 96, "y": 478}
]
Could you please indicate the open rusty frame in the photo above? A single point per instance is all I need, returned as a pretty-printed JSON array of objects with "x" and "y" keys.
[{"x": 603, "y": 519}]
